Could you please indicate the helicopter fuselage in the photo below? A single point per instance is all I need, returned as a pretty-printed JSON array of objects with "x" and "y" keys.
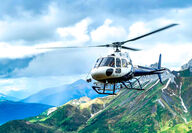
[
  {"x": 113, "y": 68},
  {"x": 118, "y": 68}
]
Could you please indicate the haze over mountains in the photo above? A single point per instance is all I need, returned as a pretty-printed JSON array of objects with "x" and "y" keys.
[
  {"x": 41, "y": 101},
  {"x": 5, "y": 97},
  {"x": 60, "y": 95}
]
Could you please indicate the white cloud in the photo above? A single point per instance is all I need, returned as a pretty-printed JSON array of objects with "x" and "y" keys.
[
  {"x": 175, "y": 43},
  {"x": 8, "y": 50},
  {"x": 78, "y": 32},
  {"x": 173, "y": 57},
  {"x": 18, "y": 49},
  {"x": 56, "y": 63},
  {"x": 107, "y": 33},
  {"x": 15, "y": 51},
  {"x": 137, "y": 29},
  {"x": 33, "y": 28}
]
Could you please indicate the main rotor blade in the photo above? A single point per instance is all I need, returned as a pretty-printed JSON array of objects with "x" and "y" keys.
[
  {"x": 59, "y": 47},
  {"x": 155, "y": 31},
  {"x": 107, "y": 45},
  {"x": 133, "y": 49}
]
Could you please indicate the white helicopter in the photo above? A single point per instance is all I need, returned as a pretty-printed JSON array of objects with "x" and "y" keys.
[{"x": 116, "y": 70}]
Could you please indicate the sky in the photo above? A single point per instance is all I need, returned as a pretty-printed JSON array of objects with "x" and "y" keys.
[{"x": 26, "y": 26}]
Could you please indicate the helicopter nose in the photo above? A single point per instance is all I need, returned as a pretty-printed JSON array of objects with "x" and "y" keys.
[
  {"x": 98, "y": 75},
  {"x": 101, "y": 73}
]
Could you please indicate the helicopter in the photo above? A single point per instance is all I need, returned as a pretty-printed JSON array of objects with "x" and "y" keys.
[{"x": 116, "y": 70}]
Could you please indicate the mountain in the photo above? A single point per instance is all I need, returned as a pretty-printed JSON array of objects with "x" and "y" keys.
[
  {"x": 67, "y": 117},
  {"x": 5, "y": 97},
  {"x": 60, "y": 95},
  {"x": 160, "y": 108},
  {"x": 157, "y": 109},
  {"x": 10, "y": 110},
  {"x": 187, "y": 65}
]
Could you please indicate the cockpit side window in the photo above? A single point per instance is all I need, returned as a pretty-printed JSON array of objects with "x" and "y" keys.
[
  {"x": 108, "y": 61},
  {"x": 124, "y": 63},
  {"x": 118, "y": 62},
  {"x": 98, "y": 62}
]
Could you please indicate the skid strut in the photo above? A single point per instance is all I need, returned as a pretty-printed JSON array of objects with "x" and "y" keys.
[
  {"x": 132, "y": 85},
  {"x": 104, "y": 90},
  {"x": 112, "y": 91}
]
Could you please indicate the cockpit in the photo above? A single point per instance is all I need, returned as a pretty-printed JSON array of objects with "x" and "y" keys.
[
  {"x": 111, "y": 62},
  {"x": 106, "y": 61}
]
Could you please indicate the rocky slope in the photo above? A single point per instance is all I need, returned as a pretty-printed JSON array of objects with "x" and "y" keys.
[
  {"x": 156, "y": 109},
  {"x": 160, "y": 108},
  {"x": 187, "y": 65}
]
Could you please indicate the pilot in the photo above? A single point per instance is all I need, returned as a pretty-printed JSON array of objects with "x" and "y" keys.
[{"x": 112, "y": 64}]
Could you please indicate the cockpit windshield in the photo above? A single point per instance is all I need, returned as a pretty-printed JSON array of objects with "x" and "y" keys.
[{"x": 108, "y": 61}]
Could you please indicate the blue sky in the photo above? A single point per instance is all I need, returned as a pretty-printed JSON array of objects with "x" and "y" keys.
[{"x": 27, "y": 25}]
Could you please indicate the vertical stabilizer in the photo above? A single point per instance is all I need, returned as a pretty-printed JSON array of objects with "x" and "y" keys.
[{"x": 159, "y": 67}]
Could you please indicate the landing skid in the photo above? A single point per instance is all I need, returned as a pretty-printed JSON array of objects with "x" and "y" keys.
[
  {"x": 104, "y": 90},
  {"x": 112, "y": 91}
]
